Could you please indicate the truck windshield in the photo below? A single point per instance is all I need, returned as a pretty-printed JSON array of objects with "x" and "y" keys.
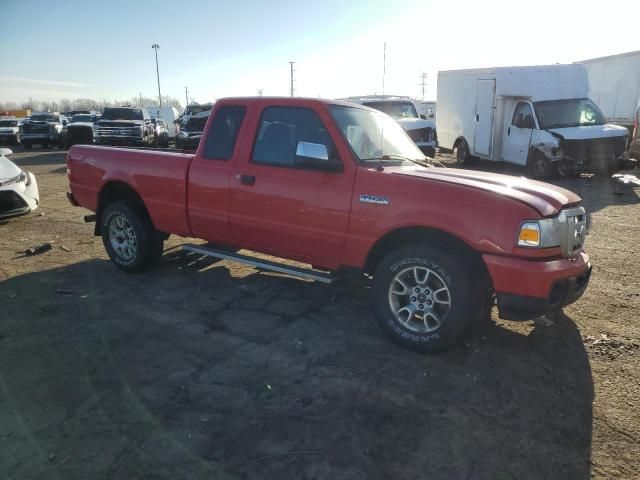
[
  {"x": 196, "y": 124},
  {"x": 395, "y": 109},
  {"x": 44, "y": 118},
  {"x": 81, "y": 118},
  {"x": 373, "y": 135},
  {"x": 122, "y": 114},
  {"x": 575, "y": 112}
]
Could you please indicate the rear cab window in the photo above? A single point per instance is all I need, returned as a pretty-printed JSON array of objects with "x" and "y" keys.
[{"x": 223, "y": 132}]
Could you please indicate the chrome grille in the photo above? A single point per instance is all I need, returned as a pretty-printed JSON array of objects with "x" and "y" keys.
[{"x": 573, "y": 229}]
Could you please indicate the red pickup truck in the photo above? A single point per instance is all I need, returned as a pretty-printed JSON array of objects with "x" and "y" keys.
[{"x": 342, "y": 187}]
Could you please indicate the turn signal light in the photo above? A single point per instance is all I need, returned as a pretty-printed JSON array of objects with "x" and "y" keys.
[{"x": 529, "y": 235}]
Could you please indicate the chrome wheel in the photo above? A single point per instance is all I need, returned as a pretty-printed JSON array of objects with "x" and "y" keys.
[
  {"x": 419, "y": 299},
  {"x": 122, "y": 238}
]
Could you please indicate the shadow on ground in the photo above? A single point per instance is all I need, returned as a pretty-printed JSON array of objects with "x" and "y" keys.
[{"x": 195, "y": 371}]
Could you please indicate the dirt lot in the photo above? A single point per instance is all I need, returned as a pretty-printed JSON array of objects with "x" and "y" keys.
[{"x": 214, "y": 370}]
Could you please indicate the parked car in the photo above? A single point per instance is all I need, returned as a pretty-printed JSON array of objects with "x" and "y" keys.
[
  {"x": 9, "y": 130},
  {"x": 190, "y": 134},
  {"x": 169, "y": 115},
  {"x": 79, "y": 130},
  {"x": 43, "y": 129},
  {"x": 18, "y": 189},
  {"x": 614, "y": 85},
  {"x": 334, "y": 185},
  {"x": 192, "y": 110},
  {"x": 538, "y": 117},
  {"x": 160, "y": 133},
  {"x": 124, "y": 126},
  {"x": 404, "y": 110}
]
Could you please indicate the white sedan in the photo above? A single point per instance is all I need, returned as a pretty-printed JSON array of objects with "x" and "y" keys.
[{"x": 18, "y": 189}]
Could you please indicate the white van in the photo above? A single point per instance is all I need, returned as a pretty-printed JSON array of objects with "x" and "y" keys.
[
  {"x": 539, "y": 117},
  {"x": 169, "y": 115}
]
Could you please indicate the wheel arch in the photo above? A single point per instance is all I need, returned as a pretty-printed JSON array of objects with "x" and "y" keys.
[
  {"x": 117, "y": 190},
  {"x": 403, "y": 236}
]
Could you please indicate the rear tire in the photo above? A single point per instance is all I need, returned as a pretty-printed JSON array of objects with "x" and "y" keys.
[
  {"x": 129, "y": 237},
  {"x": 411, "y": 288},
  {"x": 463, "y": 155}
]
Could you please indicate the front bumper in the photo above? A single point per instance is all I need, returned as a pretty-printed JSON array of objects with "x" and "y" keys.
[
  {"x": 19, "y": 198},
  {"x": 9, "y": 137},
  {"x": 117, "y": 140},
  {"x": 528, "y": 289},
  {"x": 36, "y": 137}
]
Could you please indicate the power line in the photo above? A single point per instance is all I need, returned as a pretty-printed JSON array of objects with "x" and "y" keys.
[{"x": 292, "y": 70}]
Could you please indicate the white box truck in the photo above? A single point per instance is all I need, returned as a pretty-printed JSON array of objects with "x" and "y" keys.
[
  {"x": 614, "y": 84},
  {"x": 536, "y": 116}
]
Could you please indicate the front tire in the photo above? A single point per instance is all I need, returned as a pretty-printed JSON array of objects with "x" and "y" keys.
[
  {"x": 539, "y": 167},
  {"x": 129, "y": 237},
  {"x": 423, "y": 298}
]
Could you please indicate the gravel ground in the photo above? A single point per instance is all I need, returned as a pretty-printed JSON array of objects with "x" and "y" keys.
[{"x": 203, "y": 369}]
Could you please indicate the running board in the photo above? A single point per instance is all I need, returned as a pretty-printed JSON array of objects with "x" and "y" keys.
[{"x": 307, "y": 273}]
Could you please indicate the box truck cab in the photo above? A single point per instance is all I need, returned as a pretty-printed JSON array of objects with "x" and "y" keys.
[{"x": 539, "y": 117}]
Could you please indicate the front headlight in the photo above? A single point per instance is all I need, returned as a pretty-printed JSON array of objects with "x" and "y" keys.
[
  {"x": 539, "y": 233},
  {"x": 17, "y": 179}
]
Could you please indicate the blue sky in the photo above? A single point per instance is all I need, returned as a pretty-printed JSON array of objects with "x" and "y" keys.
[{"x": 103, "y": 49}]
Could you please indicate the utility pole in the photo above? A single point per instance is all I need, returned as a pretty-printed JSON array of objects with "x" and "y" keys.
[
  {"x": 384, "y": 66},
  {"x": 292, "y": 70},
  {"x": 140, "y": 95},
  {"x": 423, "y": 82},
  {"x": 186, "y": 97},
  {"x": 155, "y": 46}
]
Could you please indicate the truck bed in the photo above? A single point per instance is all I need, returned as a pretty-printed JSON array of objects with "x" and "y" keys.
[{"x": 159, "y": 177}]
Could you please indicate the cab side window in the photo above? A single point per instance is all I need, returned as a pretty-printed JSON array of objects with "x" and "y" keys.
[
  {"x": 523, "y": 116},
  {"x": 223, "y": 132},
  {"x": 279, "y": 131}
]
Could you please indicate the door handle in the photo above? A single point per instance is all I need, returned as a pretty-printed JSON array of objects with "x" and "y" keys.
[
  {"x": 508, "y": 131},
  {"x": 246, "y": 179},
  {"x": 477, "y": 117}
]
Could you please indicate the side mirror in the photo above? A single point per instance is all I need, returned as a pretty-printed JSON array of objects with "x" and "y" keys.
[
  {"x": 6, "y": 152},
  {"x": 64, "y": 122},
  {"x": 316, "y": 156},
  {"x": 423, "y": 116}
]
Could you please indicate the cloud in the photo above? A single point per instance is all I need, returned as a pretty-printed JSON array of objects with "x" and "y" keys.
[{"x": 36, "y": 81}]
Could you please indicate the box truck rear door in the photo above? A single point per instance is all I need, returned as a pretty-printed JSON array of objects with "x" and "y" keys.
[{"x": 485, "y": 94}]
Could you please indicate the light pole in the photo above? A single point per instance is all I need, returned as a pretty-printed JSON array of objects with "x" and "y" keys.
[{"x": 155, "y": 46}]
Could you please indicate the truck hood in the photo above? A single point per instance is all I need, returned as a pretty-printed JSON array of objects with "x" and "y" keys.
[
  {"x": 80, "y": 124},
  {"x": 547, "y": 199},
  {"x": 9, "y": 129},
  {"x": 415, "y": 123},
  {"x": 590, "y": 132},
  {"x": 8, "y": 169},
  {"x": 120, "y": 123}
]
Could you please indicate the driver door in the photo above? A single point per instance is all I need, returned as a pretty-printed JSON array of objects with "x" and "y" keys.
[{"x": 515, "y": 148}]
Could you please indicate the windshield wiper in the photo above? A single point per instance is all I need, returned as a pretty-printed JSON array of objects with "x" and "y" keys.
[{"x": 393, "y": 156}]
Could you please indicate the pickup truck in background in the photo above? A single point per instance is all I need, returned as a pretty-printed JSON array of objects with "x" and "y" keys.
[
  {"x": 343, "y": 188},
  {"x": 124, "y": 126},
  {"x": 43, "y": 129}
]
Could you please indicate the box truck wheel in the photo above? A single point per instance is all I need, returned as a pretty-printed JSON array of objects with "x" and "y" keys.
[
  {"x": 463, "y": 155},
  {"x": 423, "y": 297},
  {"x": 539, "y": 167}
]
